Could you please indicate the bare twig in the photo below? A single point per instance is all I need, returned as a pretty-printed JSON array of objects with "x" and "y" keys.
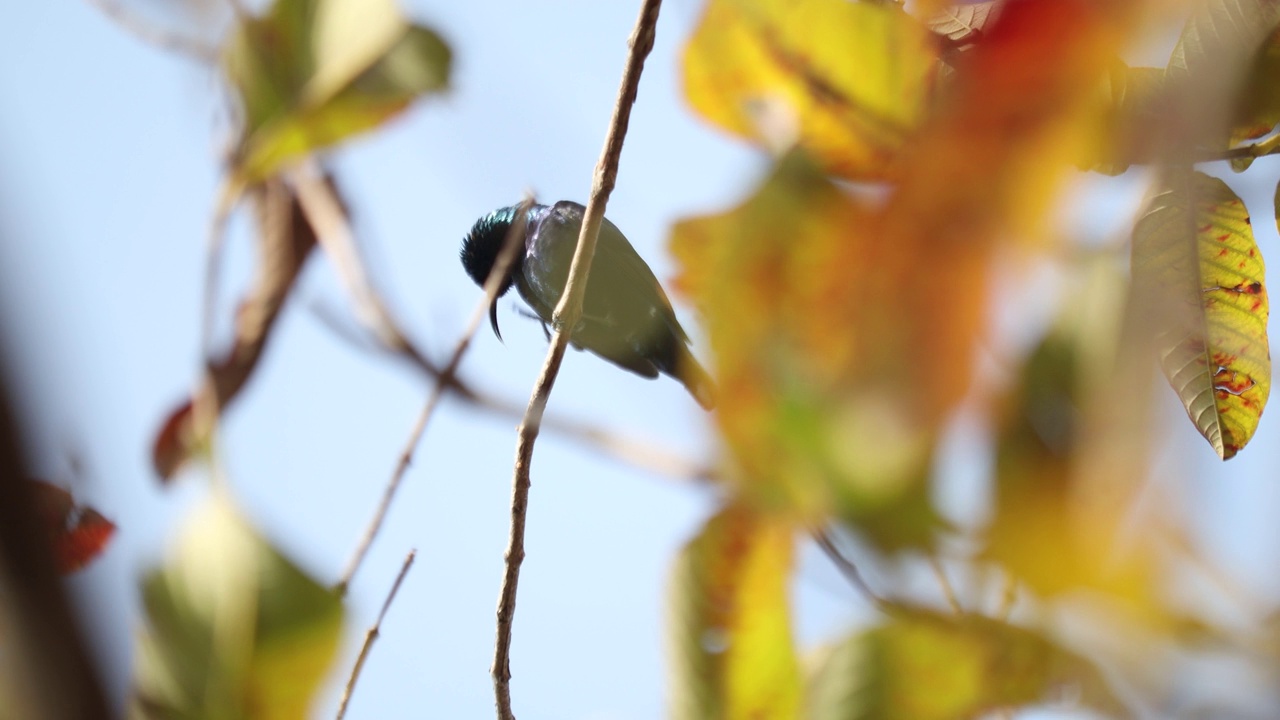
[
  {"x": 446, "y": 378},
  {"x": 157, "y": 36},
  {"x": 948, "y": 591},
  {"x": 567, "y": 312},
  {"x": 325, "y": 212},
  {"x": 372, "y": 634},
  {"x": 632, "y": 451},
  {"x": 846, "y": 566}
]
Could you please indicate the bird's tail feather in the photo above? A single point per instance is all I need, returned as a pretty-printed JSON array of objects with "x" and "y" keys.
[{"x": 695, "y": 378}]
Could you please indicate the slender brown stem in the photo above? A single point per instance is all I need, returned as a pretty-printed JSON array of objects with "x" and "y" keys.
[
  {"x": 372, "y": 634},
  {"x": 444, "y": 380},
  {"x": 566, "y": 317}
]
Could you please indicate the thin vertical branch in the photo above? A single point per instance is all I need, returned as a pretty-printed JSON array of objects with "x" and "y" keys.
[
  {"x": 446, "y": 379},
  {"x": 566, "y": 317},
  {"x": 372, "y": 634}
]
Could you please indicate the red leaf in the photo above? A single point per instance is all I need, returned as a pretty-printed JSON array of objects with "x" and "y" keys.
[
  {"x": 77, "y": 534},
  {"x": 173, "y": 443}
]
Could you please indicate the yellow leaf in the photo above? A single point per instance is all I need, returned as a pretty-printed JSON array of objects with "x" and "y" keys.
[
  {"x": 849, "y": 79},
  {"x": 734, "y": 652},
  {"x": 1195, "y": 260},
  {"x": 970, "y": 665}
]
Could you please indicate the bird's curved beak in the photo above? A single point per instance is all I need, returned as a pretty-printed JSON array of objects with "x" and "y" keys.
[{"x": 493, "y": 319}]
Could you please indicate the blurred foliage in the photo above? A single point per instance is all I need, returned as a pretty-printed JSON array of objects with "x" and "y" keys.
[
  {"x": 734, "y": 653},
  {"x": 914, "y": 149},
  {"x": 970, "y": 664},
  {"x": 311, "y": 73},
  {"x": 234, "y": 630},
  {"x": 78, "y": 534},
  {"x": 845, "y": 324}
]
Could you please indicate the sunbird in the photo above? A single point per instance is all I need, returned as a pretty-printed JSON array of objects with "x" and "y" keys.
[{"x": 626, "y": 317}]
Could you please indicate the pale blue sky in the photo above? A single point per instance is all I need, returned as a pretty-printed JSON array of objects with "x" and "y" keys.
[{"x": 107, "y": 176}]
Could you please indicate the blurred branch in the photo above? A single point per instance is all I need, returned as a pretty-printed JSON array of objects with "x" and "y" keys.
[
  {"x": 228, "y": 197},
  {"x": 846, "y": 566},
  {"x": 372, "y": 634},
  {"x": 948, "y": 592},
  {"x": 446, "y": 378},
  {"x": 632, "y": 451},
  {"x": 1008, "y": 597},
  {"x": 157, "y": 36},
  {"x": 329, "y": 218},
  {"x": 566, "y": 317}
]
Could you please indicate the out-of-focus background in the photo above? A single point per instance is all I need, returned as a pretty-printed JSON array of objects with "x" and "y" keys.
[{"x": 108, "y": 168}]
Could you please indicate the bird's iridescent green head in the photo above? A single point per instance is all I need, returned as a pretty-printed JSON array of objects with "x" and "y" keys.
[{"x": 480, "y": 249}]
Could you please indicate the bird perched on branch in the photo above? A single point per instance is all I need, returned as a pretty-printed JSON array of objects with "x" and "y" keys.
[{"x": 626, "y": 317}]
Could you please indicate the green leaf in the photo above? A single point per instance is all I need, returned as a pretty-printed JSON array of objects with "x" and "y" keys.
[
  {"x": 234, "y": 630},
  {"x": 924, "y": 665},
  {"x": 1196, "y": 263},
  {"x": 734, "y": 655},
  {"x": 311, "y": 73}
]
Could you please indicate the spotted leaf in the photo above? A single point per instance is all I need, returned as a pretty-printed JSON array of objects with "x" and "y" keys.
[{"x": 1196, "y": 263}]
